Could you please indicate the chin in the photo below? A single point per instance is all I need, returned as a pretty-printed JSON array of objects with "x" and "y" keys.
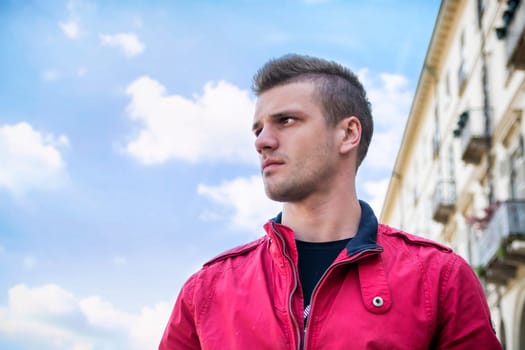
[
  {"x": 274, "y": 195},
  {"x": 286, "y": 196}
]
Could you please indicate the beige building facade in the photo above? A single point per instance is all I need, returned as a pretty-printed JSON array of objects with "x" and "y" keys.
[{"x": 459, "y": 176}]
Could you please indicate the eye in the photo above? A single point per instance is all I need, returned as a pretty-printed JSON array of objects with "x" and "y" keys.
[
  {"x": 257, "y": 131},
  {"x": 286, "y": 120}
]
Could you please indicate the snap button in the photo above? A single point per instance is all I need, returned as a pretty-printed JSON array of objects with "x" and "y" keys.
[{"x": 378, "y": 301}]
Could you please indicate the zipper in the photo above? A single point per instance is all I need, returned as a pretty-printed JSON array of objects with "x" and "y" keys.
[
  {"x": 359, "y": 255},
  {"x": 294, "y": 289}
]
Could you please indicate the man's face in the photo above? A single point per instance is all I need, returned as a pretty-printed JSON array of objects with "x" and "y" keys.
[{"x": 296, "y": 147}]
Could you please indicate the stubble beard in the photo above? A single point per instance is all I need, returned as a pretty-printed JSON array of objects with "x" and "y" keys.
[{"x": 304, "y": 179}]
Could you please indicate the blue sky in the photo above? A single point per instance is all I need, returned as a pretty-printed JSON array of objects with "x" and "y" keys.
[{"x": 126, "y": 156}]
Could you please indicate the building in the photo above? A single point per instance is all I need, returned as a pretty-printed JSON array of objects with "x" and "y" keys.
[{"x": 459, "y": 176}]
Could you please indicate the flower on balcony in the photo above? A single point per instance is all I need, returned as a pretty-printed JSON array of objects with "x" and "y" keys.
[{"x": 481, "y": 222}]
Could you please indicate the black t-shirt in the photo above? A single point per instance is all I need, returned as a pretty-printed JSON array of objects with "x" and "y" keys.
[{"x": 314, "y": 259}]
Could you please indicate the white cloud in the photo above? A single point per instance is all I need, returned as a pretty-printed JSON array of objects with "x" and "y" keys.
[
  {"x": 129, "y": 43},
  {"x": 213, "y": 126},
  {"x": 391, "y": 98},
  {"x": 53, "y": 318},
  {"x": 383, "y": 149},
  {"x": 30, "y": 159},
  {"x": 147, "y": 329},
  {"x": 76, "y": 9},
  {"x": 246, "y": 197},
  {"x": 100, "y": 313},
  {"x": 48, "y": 300},
  {"x": 377, "y": 191},
  {"x": 70, "y": 28}
]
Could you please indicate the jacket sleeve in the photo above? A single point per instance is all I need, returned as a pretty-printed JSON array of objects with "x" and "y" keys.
[
  {"x": 181, "y": 333},
  {"x": 463, "y": 316}
]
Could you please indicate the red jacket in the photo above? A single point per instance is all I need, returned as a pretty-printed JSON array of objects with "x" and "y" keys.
[{"x": 397, "y": 292}]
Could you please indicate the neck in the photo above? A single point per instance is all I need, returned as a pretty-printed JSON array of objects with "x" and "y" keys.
[{"x": 324, "y": 218}]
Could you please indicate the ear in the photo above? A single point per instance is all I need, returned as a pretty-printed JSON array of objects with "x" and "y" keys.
[{"x": 350, "y": 130}]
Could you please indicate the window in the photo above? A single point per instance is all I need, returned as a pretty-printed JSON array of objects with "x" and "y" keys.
[
  {"x": 517, "y": 171},
  {"x": 447, "y": 90},
  {"x": 462, "y": 70},
  {"x": 482, "y": 5},
  {"x": 435, "y": 136}
]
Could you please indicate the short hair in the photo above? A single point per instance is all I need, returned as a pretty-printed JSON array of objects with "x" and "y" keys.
[{"x": 338, "y": 90}]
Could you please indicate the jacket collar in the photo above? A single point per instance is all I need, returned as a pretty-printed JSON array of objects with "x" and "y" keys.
[{"x": 366, "y": 236}]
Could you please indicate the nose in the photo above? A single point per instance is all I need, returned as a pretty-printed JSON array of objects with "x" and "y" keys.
[{"x": 266, "y": 140}]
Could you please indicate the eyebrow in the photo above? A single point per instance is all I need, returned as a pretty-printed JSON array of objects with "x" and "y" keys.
[{"x": 275, "y": 116}]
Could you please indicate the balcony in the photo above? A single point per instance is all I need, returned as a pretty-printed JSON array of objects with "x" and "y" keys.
[
  {"x": 472, "y": 136},
  {"x": 500, "y": 249},
  {"x": 513, "y": 34},
  {"x": 443, "y": 201}
]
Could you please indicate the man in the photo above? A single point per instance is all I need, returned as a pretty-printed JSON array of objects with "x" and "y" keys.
[{"x": 326, "y": 275}]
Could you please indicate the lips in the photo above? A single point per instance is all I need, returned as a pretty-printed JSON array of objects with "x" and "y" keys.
[{"x": 270, "y": 163}]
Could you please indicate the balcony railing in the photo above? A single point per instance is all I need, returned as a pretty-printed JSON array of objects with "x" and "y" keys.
[
  {"x": 473, "y": 138},
  {"x": 443, "y": 201},
  {"x": 500, "y": 249}
]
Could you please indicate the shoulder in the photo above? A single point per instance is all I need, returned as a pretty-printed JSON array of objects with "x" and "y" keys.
[
  {"x": 434, "y": 258},
  {"x": 412, "y": 250},
  {"x": 217, "y": 266},
  {"x": 237, "y": 252},
  {"x": 221, "y": 271},
  {"x": 393, "y": 236},
  {"x": 436, "y": 261}
]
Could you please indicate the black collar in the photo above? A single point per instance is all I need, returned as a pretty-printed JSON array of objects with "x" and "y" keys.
[{"x": 366, "y": 236}]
